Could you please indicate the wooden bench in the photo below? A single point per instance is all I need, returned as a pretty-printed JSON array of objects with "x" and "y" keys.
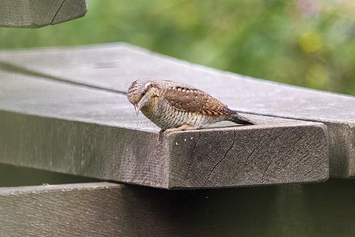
[{"x": 65, "y": 110}]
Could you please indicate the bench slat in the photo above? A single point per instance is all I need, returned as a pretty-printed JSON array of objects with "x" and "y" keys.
[
  {"x": 107, "y": 209},
  {"x": 71, "y": 129},
  {"x": 34, "y": 14},
  {"x": 115, "y": 66}
]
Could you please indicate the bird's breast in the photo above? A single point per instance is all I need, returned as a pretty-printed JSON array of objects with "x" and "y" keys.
[{"x": 166, "y": 116}]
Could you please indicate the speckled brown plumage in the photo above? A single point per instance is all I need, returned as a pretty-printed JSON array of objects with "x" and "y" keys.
[
  {"x": 193, "y": 100},
  {"x": 171, "y": 105}
]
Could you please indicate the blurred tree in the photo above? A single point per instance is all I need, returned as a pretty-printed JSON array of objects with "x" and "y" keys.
[{"x": 301, "y": 42}]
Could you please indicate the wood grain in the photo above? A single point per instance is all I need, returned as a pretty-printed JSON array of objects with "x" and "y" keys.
[
  {"x": 107, "y": 209},
  {"x": 115, "y": 66},
  {"x": 34, "y": 14},
  {"x": 61, "y": 127}
]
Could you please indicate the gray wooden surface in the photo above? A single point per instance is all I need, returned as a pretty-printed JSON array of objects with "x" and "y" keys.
[
  {"x": 107, "y": 209},
  {"x": 65, "y": 110},
  {"x": 114, "y": 66},
  {"x": 73, "y": 129},
  {"x": 38, "y": 13}
]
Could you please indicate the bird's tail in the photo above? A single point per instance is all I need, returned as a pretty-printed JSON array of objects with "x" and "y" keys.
[{"x": 236, "y": 118}]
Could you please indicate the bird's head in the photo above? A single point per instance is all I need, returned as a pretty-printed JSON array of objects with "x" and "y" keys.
[{"x": 142, "y": 94}]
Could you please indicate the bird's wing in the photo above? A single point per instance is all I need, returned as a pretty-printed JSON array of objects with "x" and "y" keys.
[{"x": 191, "y": 99}]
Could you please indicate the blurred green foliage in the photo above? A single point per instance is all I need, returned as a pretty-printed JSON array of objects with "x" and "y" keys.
[{"x": 308, "y": 43}]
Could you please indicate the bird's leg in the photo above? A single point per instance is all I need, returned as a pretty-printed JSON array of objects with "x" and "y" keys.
[
  {"x": 183, "y": 127},
  {"x": 160, "y": 135}
]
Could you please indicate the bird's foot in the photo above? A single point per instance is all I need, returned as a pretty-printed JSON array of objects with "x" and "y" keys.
[
  {"x": 160, "y": 135},
  {"x": 183, "y": 128}
]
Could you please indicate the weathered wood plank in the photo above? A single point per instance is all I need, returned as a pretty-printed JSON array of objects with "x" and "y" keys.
[
  {"x": 115, "y": 66},
  {"x": 15, "y": 176},
  {"x": 61, "y": 127},
  {"x": 34, "y": 13},
  {"x": 107, "y": 209}
]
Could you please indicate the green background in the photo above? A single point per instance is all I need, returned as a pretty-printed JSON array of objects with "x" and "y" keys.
[{"x": 308, "y": 43}]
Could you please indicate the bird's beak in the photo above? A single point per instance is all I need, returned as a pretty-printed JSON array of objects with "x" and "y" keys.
[
  {"x": 136, "y": 107},
  {"x": 140, "y": 104}
]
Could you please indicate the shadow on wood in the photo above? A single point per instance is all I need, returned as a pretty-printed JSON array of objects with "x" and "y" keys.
[{"x": 324, "y": 209}]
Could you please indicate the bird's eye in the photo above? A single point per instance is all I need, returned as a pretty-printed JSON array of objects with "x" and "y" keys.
[{"x": 146, "y": 88}]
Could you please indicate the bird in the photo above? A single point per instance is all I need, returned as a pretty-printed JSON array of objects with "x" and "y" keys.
[{"x": 175, "y": 106}]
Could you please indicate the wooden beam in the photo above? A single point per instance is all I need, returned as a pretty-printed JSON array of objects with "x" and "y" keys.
[
  {"x": 107, "y": 209},
  {"x": 34, "y": 14},
  {"x": 72, "y": 129},
  {"x": 115, "y": 66}
]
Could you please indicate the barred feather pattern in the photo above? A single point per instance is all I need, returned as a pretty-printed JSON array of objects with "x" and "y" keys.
[
  {"x": 165, "y": 116},
  {"x": 172, "y": 104}
]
